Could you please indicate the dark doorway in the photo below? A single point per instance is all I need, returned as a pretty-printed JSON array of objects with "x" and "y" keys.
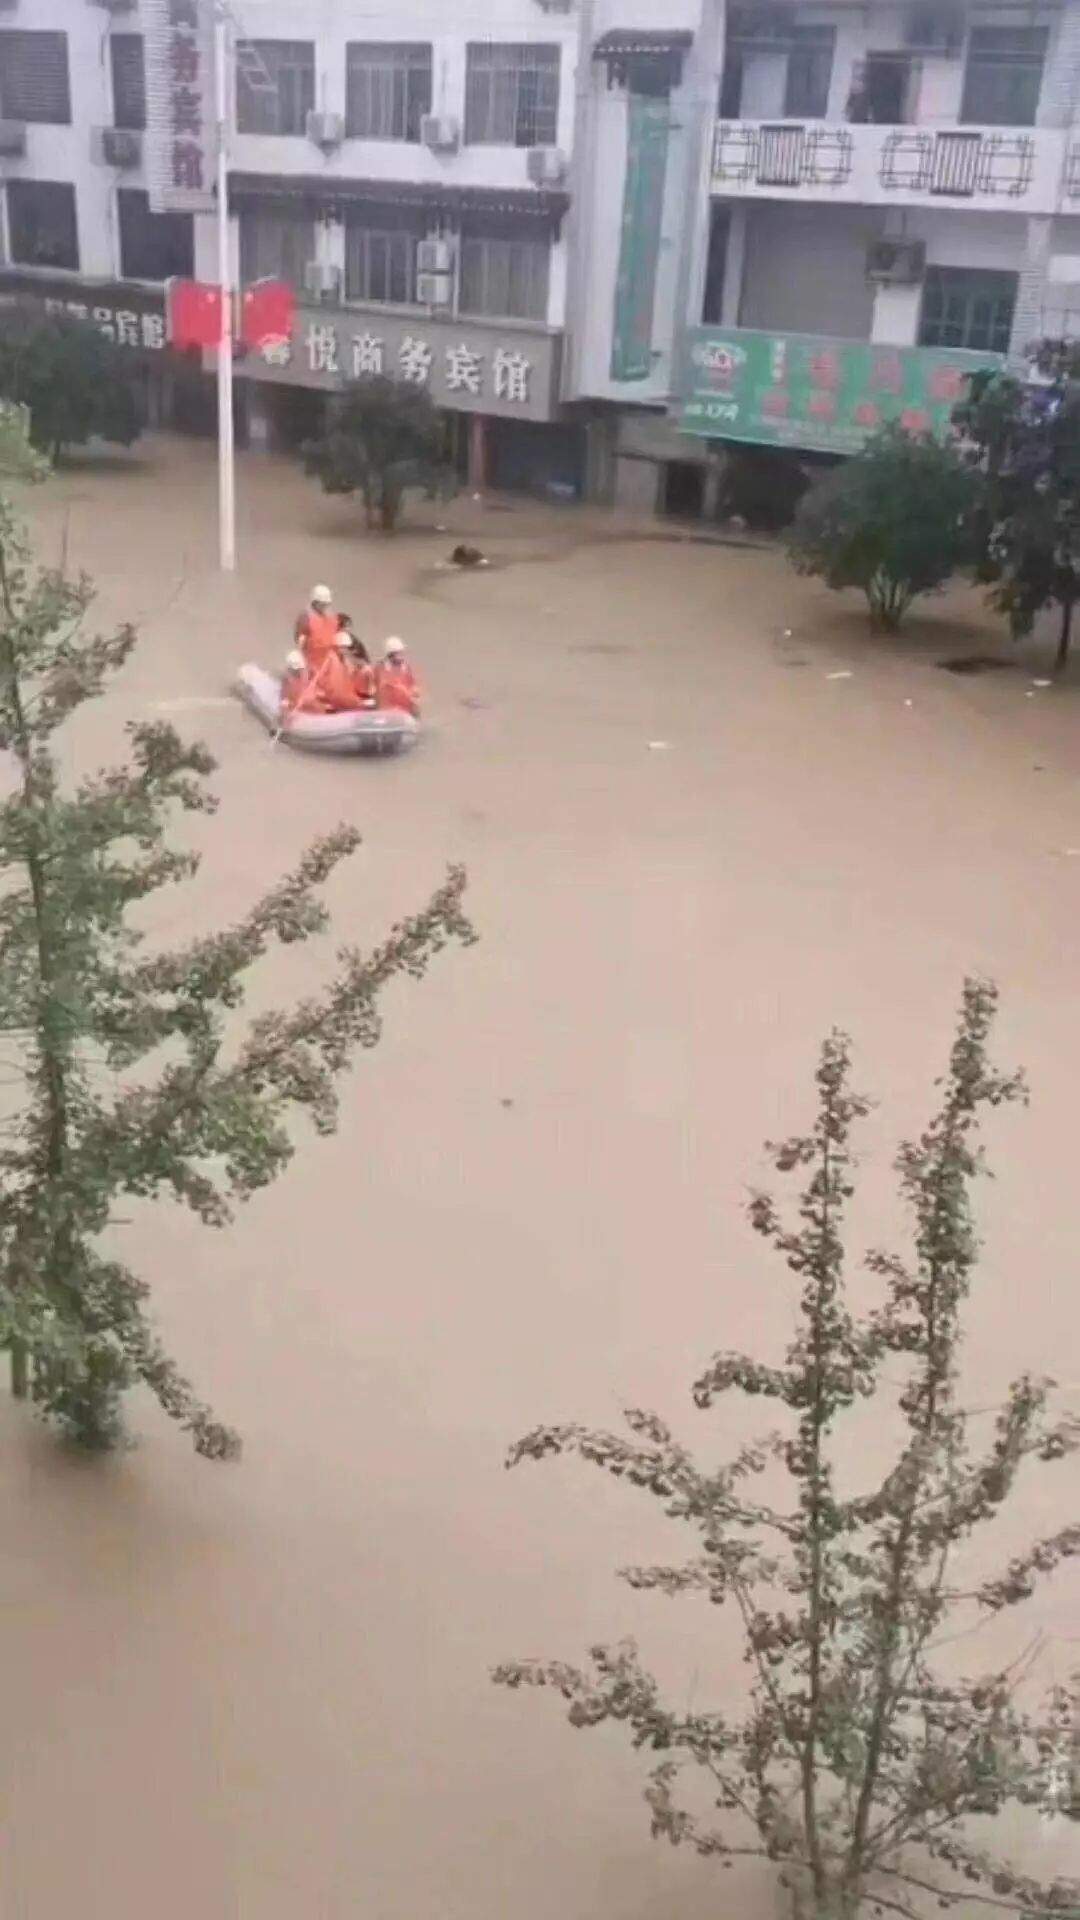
[
  {"x": 684, "y": 490},
  {"x": 713, "y": 302}
]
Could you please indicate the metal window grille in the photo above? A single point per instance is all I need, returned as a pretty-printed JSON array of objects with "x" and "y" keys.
[
  {"x": 43, "y": 224},
  {"x": 504, "y": 278},
  {"x": 380, "y": 261},
  {"x": 128, "y": 79},
  {"x": 511, "y": 95},
  {"x": 388, "y": 89},
  {"x": 956, "y": 163},
  {"x": 153, "y": 246},
  {"x": 967, "y": 307},
  {"x": 34, "y": 82},
  {"x": 275, "y": 246},
  {"x": 275, "y": 85},
  {"x": 1003, "y": 76},
  {"x": 780, "y": 156}
]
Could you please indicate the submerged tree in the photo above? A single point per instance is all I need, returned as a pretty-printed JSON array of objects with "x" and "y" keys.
[
  {"x": 858, "y": 1762},
  {"x": 75, "y": 382},
  {"x": 382, "y": 436},
  {"x": 92, "y": 1113}
]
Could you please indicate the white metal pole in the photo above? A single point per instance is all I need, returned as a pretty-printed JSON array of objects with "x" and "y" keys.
[{"x": 226, "y": 452}]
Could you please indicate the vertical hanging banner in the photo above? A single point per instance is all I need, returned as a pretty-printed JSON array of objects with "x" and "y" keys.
[
  {"x": 648, "y": 133},
  {"x": 181, "y": 129}
]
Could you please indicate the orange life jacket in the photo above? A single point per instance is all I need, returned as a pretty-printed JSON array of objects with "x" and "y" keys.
[
  {"x": 399, "y": 687},
  {"x": 318, "y": 634}
]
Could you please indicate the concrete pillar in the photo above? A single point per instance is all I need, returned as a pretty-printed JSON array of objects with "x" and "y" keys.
[
  {"x": 734, "y": 266},
  {"x": 1031, "y": 291},
  {"x": 478, "y": 452},
  {"x": 1060, "y": 91}
]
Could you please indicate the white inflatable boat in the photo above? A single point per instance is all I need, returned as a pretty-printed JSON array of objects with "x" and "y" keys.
[{"x": 381, "y": 730}]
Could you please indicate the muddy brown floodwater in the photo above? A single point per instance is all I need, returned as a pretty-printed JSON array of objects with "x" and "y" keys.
[{"x": 261, "y": 1693}]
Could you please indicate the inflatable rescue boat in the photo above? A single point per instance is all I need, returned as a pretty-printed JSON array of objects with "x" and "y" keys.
[{"x": 376, "y": 730}]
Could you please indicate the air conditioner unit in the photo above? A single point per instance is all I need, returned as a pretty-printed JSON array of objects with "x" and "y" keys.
[
  {"x": 325, "y": 129},
  {"x": 12, "y": 136},
  {"x": 440, "y": 132},
  {"x": 322, "y": 280},
  {"x": 114, "y": 6},
  {"x": 896, "y": 263},
  {"x": 117, "y": 146},
  {"x": 434, "y": 256},
  {"x": 545, "y": 166},
  {"x": 555, "y": 6},
  {"x": 8, "y": 6},
  {"x": 935, "y": 31},
  {"x": 434, "y": 289}
]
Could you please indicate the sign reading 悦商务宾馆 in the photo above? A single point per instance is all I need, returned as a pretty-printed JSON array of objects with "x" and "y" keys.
[
  {"x": 802, "y": 390},
  {"x": 474, "y": 367},
  {"x": 181, "y": 131}
]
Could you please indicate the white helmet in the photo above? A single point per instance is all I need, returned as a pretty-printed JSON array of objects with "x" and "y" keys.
[
  {"x": 321, "y": 596},
  {"x": 294, "y": 660},
  {"x": 392, "y": 646}
]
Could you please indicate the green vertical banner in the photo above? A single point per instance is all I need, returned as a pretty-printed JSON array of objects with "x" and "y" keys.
[{"x": 648, "y": 133}]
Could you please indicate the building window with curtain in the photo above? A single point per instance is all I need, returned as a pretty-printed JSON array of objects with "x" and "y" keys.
[
  {"x": 504, "y": 274},
  {"x": 128, "y": 80},
  {"x": 380, "y": 254},
  {"x": 809, "y": 73},
  {"x": 34, "y": 81},
  {"x": 1003, "y": 76},
  {"x": 275, "y": 246},
  {"x": 967, "y": 307},
  {"x": 42, "y": 224},
  {"x": 153, "y": 246},
  {"x": 275, "y": 85},
  {"x": 388, "y": 89},
  {"x": 511, "y": 95}
]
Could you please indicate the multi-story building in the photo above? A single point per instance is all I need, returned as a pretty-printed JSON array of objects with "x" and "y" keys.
[{"x": 904, "y": 177}]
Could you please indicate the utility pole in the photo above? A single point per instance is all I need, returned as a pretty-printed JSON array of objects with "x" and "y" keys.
[{"x": 226, "y": 446}]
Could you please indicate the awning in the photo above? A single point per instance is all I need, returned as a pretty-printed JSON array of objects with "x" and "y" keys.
[
  {"x": 319, "y": 195},
  {"x": 632, "y": 52}
]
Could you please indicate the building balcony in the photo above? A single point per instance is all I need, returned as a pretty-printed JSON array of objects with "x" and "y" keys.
[{"x": 1031, "y": 170}]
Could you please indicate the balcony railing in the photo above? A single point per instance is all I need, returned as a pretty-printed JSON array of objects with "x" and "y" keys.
[{"x": 1024, "y": 168}]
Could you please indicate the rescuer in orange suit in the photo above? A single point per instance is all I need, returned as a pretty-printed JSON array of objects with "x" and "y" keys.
[
  {"x": 397, "y": 683},
  {"x": 317, "y": 628}
]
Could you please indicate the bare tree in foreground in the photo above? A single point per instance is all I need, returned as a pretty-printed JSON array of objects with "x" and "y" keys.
[
  {"x": 124, "y": 1074},
  {"x": 858, "y": 1763}
]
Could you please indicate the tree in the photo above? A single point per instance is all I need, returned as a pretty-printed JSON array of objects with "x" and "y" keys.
[
  {"x": 859, "y": 1763},
  {"x": 1026, "y": 442},
  {"x": 124, "y": 1075},
  {"x": 75, "y": 381},
  {"x": 894, "y": 521},
  {"x": 381, "y": 437}
]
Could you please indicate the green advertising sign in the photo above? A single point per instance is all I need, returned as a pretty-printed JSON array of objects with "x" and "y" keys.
[
  {"x": 803, "y": 390},
  {"x": 648, "y": 133}
]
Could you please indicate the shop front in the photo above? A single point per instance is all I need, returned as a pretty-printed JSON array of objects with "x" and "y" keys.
[{"x": 174, "y": 388}]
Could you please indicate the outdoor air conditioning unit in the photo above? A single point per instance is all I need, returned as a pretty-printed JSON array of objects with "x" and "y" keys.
[
  {"x": 325, "y": 129},
  {"x": 114, "y": 6},
  {"x": 434, "y": 289},
  {"x": 8, "y": 6},
  {"x": 440, "y": 132},
  {"x": 555, "y": 6},
  {"x": 322, "y": 280},
  {"x": 934, "y": 31},
  {"x": 12, "y": 137},
  {"x": 118, "y": 146},
  {"x": 896, "y": 263},
  {"x": 434, "y": 256},
  {"x": 545, "y": 166}
]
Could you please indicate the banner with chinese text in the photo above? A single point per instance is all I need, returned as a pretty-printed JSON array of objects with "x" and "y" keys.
[
  {"x": 803, "y": 390},
  {"x": 467, "y": 365},
  {"x": 181, "y": 132},
  {"x": 648, "y": 133}
]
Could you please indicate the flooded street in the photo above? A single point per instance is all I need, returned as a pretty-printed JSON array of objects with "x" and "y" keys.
[{"x": 261, "y": 1693}]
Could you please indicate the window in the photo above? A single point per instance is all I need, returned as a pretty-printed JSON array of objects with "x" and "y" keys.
[
  {"x": 503, "y": 274},
  {"x": 388, "y": 89},
  {"x": 153, "y": 246},
  {"x": 809, "y": 71},
  {"x": 380, "y": 255},
  {"x": 1003, "y": 76},
  {"x": 511, "y": 95},
  {"x": 42, "y": 224},
  {"x": 967, "y": 307},
  {"x": 275, "y": 246},
  {"x": 34, "y": 81},
  {"x": 275, "y": 85},
  {"x": 128, "y": 79}
]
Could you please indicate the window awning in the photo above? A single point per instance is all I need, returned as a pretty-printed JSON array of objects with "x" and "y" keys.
[
  {"x": 320, "y": 196},
  {"x": 627, "y": 51}
]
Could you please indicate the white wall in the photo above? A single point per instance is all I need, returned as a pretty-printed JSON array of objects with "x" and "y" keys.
[{"x": 805, "y": 269}]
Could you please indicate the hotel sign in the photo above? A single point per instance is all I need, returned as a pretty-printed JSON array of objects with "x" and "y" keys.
[{"x": 181, "y": 130}]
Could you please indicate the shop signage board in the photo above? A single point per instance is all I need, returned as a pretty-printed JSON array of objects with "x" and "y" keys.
[
  {"x": 804, "y": 390},
  {"x": 475, "y": 366},
  {"x": 181, "y": 131},
  {"x": 133, "y": 316}
]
